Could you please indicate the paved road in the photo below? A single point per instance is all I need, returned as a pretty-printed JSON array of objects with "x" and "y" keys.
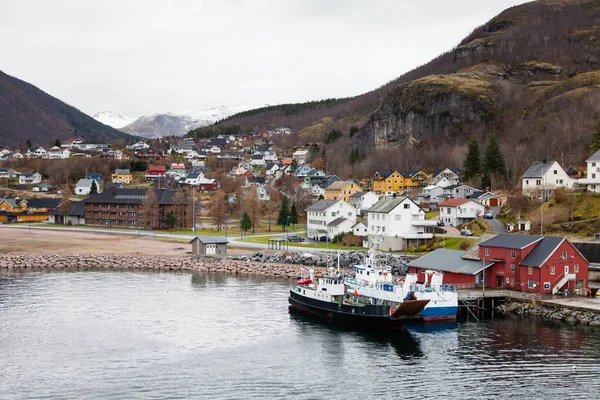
[{"x": 497, "y": 226}]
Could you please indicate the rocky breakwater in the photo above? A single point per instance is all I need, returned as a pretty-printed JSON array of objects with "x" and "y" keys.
[
  {"x": 555, "y": 313},
  {"x": 141, "y": 262},
  {"x": 399, "y": 265}
]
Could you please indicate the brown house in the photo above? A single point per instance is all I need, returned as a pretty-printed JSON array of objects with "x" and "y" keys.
[{"x": 127, "y": 208}]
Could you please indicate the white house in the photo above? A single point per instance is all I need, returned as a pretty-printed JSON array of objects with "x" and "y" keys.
[
  {"x": 431, "y": 194},
  {"x": 84, "y": 186},
  {"x": 592, "y": 179},
  {"x": 329, "y": 218},
  {"x": 270, "y": 156},
  {"x": 397, "y": 224},
  {"x": 195, "y": 179},
  {"x": 7, "y": 173},
  {"x": 362, "y": 201},
  {"x": 139, "y": 146},
  {"x": 40, "y": 152},
  {"x": 30, "y": 178},
  {"x": 57, "y": 153},
  {"x": 258, "y": 160},
  {"x": 545, "y": 176},
  {"x": 451, "y": 175},
  {"x": 360, "y": 229},
  {"x": 302, "y": 171},
  {"x": 300, "y": 156},
  {"x": 456, "y": 212}
]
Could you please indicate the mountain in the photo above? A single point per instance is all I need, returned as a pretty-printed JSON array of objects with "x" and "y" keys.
[
  {"x": 27, "y": 112},
  {"x": 113, "y": 119},
  {"x": 180, "y": 123},
  {"x": 530, "y": 76}
]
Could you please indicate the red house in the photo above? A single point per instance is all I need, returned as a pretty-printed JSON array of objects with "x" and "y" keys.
[
  {"x": 534, "y": 264},
  {"x": 155, "y": 171}
]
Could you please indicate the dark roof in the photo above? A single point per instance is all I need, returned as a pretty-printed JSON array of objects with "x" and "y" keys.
[
  {"x": 536, "y": 169},
  {"x": 590, "y": 250},
  {"x": 193, "y": 175},
  {"x": 571, "y": 171},
  {"x": 386, "y": 205},
  {"x": 449, "y": 261},
  {"x": 357, "y": 194},
  {"x": 322, "y": 205},
  {"x": 476, "y": 195},
  {"x": 28, "y": 173},
  {"x": 93, "y": 175},
  {"x": 131, "y": 196},
  {"x": 43, "y": 203},
  {"x": 76, "y": 209},
  {"x": 409, "y": 174},
  {"x": 452, "y": 187},
  {"x": 258, "y": 157},
  {"x": 210, "y": 239},
  {"x": 542, "y": 251},
  {"x": 257, "y": 179},
  {"x": 337, "y": 221},
  {"x": 512, "y": 241},
  {"x": 439, "y": 171},
  {"x": 114, "y": 185},
  {"x": 594, "y": 157},
  {"x": 385, "y": 174},
  {"x": 472, "y": 252}
]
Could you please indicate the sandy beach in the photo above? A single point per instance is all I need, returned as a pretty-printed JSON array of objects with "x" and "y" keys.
[{"x": 34, "y": 241}]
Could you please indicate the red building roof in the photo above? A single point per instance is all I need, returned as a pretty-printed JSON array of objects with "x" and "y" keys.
[{"x": 454, "y": 202}]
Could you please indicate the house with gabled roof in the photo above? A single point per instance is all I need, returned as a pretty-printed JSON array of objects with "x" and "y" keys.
[
  {"x": 84, "y": 187},
  {"x": 455, "y": 212},
  {"x": 398, "y": 223},
  {"x": 543, "y": 177},
  {"x": 362, "y": 201},
  {"x": 525, "y": 263},
  {"x": 29, "y": 178},
  {"x": 327, "y": 218},
  {"x": 452, "y": 175},
  {"x": 341, "y": 190},
  {"x": 592, "y": 179}
]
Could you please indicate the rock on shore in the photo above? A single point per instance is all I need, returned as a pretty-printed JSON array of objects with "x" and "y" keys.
[
  {"x": 133, "y": 262},
  {"x": 398, "y": 264},
  {"x": 555, "y": 313}
]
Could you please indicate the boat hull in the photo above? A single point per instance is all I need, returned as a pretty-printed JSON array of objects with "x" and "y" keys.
[
  {"x": 439, "y": 313},
  {"x": 363, "y": 317}
]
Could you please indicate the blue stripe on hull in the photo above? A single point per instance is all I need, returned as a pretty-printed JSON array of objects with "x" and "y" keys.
[{"x": 431, "y": 313}]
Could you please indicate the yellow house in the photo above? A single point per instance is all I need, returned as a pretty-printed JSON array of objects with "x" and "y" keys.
[
  {"x": 23, "y": 210},
  {"x": 122, "y": 176},
  {"x": 414, "y": 179},
  {"x": 341, "y": 190}
]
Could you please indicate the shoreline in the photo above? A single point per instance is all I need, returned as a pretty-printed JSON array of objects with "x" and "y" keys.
[
  {"x": 57, "y": 262},
  {"x": 551, "y": 312}
]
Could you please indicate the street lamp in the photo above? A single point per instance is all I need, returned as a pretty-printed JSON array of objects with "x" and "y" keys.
[
  {"x": 287, "y": 232},
  {"x": 226, "y": 216},
  {"x": 154, "y": 222}
]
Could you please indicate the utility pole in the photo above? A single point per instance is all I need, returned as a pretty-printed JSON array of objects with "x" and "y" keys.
[
  {"x": 193, "y": 211},
  {"x": 543, "y": 201}
]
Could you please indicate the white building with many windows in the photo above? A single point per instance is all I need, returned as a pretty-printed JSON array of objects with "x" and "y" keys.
[
  {"x": 397, "y": 224},
  {"x": 456, "y": 212},
  {"x": 592, "y": 179},
  {"x": 329, "y": 218}
]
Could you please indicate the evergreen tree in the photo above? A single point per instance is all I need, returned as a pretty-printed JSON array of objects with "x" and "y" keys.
[
  {"x": 294, "y": 165},
  {"x": 494, "y": 165},
  {"x": 284, "y": 212},
  {"x": 596, "y": 140},
  {"x": 28, "y": 142},
  {"x": 472, "y": 166},
  {"x": 321, "y": 197},
  {"x": 293, "y": 214},
  {"x": 246, "y": 223},
  {"x": 94, "y": 187},
  {"x": 170, "y": 220},
  {"x": 353, "y": 130},
  {"x": 57, "y": 143},
  {"x": 353, "y": 156}
]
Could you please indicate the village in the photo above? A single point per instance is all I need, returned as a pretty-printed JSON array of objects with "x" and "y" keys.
[{"x": 248, "y": 185}]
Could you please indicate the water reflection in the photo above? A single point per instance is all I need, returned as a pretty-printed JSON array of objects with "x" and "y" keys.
[{"x": 403, "y": 342}]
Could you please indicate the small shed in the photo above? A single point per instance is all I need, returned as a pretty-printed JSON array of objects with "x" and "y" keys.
[
  {"x": 209, "y": 245},
  {"x": 524, "y": 225}
]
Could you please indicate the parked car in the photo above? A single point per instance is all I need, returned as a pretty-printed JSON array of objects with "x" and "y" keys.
[
  {"x": 296, "y": 238},
  {"x": 466, "y": 232},
  {"x": 488, "y": 215},
  {"x": 440, "y": 223}
]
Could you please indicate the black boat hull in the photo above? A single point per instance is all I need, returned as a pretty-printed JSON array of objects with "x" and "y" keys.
[{"x": 347, "y": 315}]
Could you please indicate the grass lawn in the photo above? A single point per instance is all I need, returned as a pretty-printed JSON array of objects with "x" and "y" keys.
[{"x": 432, "y": 214}]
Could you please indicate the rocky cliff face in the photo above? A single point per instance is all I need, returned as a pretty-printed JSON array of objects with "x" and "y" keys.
[{"x": 433, "y": 107}]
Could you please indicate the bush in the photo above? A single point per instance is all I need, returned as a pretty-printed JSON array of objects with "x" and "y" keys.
[{"x": 464, "y": 245}]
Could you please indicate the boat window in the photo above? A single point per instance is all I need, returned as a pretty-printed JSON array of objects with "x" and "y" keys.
[
  {"x": 367, "y": 272},
  {"x": 324, "y": 289}
]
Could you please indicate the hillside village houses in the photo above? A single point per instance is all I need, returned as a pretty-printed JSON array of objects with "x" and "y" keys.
[
  {"x": 328, "y": 218},
  {"x": 388, "y": 183},
  {"x": 84, "y": 186},
  {"x": 456, "y": 212},
  {"x": 397, "y": 224},
  {"x": 7, "y": 173},
  {"x": 122, "y": 176},
  {"x": 451, "y": 175},
  {"x": 56, "y": 153},
  {"x": 300, "y": 155},
  {"x": 545, "y": 176},
  {"x": 362, "y": 201},
  {"x": 29, "y": 178},
  {"x": 592, "y": 179},
  {"x": 341, "y": 190}
]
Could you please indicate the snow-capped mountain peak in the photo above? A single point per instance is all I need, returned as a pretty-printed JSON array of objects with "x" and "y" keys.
[{"x": 113, "y": 119}]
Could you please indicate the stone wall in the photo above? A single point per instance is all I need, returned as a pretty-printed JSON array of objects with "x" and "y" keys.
[
  {"x": 129, "y": 262},
  {"x": 556, "y": 313}
]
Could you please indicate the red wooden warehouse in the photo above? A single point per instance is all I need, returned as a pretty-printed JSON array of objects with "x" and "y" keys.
[{"x": 533, "y": 264}]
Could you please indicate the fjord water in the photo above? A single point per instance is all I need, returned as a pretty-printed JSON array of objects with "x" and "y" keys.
[{"x": 98, "y": 335}]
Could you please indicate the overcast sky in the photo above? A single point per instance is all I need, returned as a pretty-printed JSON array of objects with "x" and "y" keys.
[{"x": 141, "y": 57}]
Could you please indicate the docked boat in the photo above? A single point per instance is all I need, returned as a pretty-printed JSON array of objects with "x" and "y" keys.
[
  {"x": 328, "y": 298},
  {"x": 377, "y": 282}
]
